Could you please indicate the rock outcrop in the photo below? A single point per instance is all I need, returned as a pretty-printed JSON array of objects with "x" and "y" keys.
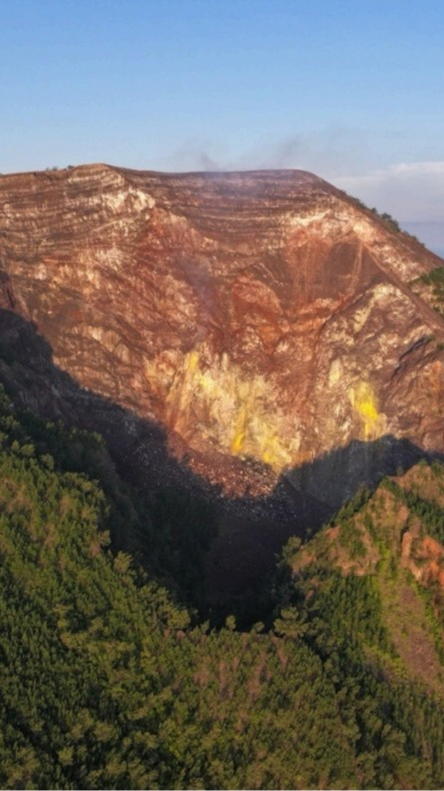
[{"x": 264, "y": 320}]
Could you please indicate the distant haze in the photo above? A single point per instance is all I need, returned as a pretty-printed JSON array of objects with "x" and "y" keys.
[
  {"x": 412, "y": 192},
  {"x": 431, "y": 233}
]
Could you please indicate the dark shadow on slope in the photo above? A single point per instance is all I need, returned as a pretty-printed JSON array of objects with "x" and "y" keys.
[
  {"x": 305, "y": 498},
  {"x": 250, "y": 530}
]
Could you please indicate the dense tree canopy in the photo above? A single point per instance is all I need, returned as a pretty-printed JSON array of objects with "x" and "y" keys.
[{"x": 106, "y": 681}]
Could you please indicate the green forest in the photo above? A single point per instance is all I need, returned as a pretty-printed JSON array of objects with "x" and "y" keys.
[{"x": 111, "y": 677}]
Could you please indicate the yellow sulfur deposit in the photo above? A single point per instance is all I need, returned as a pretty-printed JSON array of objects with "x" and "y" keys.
[
  {"x": 275, "y": 454},
  {"x": 209, "y": 398},
  {"x": 238, "y": 440},
  {"x": 365, "y": 403},
  {"x": 192, "y": 361}
]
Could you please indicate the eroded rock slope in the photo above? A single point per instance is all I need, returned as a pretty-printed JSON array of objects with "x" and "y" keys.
[{"x": 264, "y": 319}]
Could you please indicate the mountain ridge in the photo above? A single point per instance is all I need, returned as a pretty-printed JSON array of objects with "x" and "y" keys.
[{"x": 261, "y": 320}]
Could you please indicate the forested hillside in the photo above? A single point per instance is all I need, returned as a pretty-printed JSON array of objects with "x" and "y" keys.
[{"x": 106, "y": 681}]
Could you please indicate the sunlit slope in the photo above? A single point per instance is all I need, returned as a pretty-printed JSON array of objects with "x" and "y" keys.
[{"x": 260, "y": 317}]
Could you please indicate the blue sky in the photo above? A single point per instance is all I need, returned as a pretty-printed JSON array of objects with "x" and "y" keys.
[{"x": 349, "y": 89}]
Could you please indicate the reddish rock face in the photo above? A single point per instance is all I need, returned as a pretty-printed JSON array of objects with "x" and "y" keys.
[{"x": 263, "y": 319}]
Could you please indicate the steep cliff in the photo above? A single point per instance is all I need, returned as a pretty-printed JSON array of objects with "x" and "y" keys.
[{"x": 264, "y": 320}]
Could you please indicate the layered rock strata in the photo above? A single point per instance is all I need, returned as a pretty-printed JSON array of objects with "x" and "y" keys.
[{"x": 264, "y": 320}]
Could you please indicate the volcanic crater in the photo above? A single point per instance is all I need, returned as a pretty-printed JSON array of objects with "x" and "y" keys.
[{"x": 262, "y": 323}]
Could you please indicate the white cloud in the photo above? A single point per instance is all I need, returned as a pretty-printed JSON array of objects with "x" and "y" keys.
[{"x": 411, "y": 191}]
